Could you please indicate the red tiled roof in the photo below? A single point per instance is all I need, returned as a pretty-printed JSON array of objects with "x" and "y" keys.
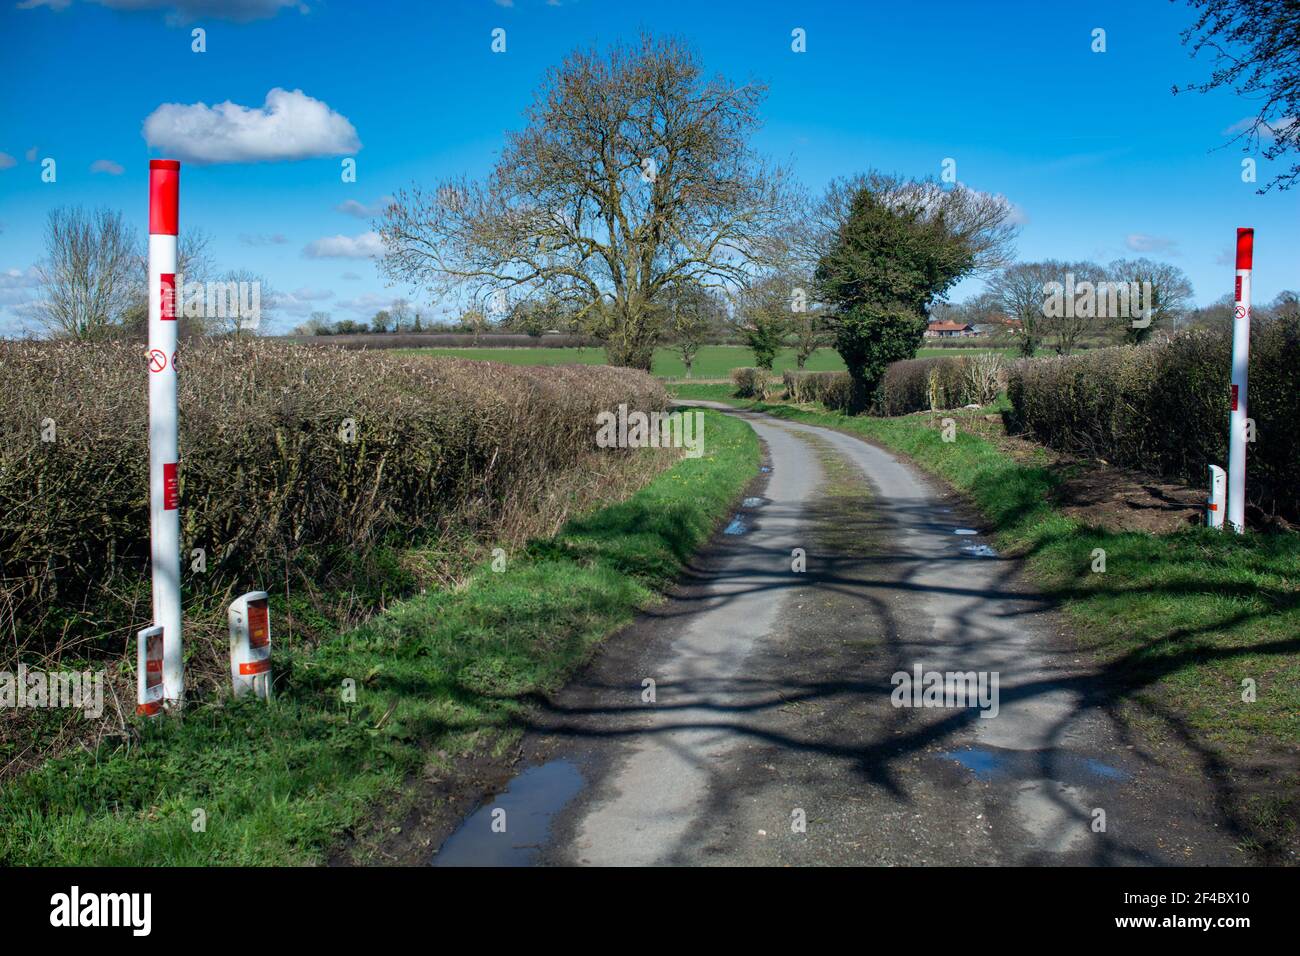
[{"x": 948, "y": 326}]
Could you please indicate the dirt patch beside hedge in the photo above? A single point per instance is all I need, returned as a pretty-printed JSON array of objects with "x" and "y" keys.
[{"x": 1097, "y": 492}]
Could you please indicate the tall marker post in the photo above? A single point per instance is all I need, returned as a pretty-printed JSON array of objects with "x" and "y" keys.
[
  {"x": 164, "y": 480},
  {"x": 1240, "y": 364}
]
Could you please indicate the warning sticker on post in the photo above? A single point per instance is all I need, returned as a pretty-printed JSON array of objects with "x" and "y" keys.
[
  {"x": 259, "y": 633},
  {"x": 153, "y": 659},
  {"x": 168, "y": 297},
  {"x": 171, "y": 487}
]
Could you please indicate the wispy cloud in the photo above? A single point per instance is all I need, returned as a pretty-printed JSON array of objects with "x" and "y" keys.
[
  {"x": 107, "y": 166},
  {"x": 1140, "y": 242},
  {"x": 361, "y": 210},
  {"x": 1267, "y": 131},
  {"x": 301, "y": 301},
  {"x": 186, "y": 11},
  {"x": 365, "y": 246},
  {"x": 263, "y": 239}
]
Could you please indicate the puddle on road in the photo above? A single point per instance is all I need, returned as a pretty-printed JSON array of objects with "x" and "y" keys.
[
  {"x": 979, "y": 551},
  {"x": 964, "y": 531},
  {"x": 531, "y": 800},
  {"x": 751, "y": 502},
  {"x": 765, "y": 469},
  {"x": 996, "y": 763},
  {"x": 737, "y": 525}
]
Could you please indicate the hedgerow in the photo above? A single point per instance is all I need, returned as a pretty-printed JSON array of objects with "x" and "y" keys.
[
  {"x": 298, "y": 466},
  {"x": 1164, "y": 407}
]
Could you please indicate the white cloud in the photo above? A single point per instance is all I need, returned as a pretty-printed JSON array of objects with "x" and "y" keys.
[
  {"x": 6, "y": 161},
  {"x": 350, "y": 276},
  {"x": 1140, "y": 242},
  {"x": 287, "y": 126},
  {"x": 361, "y": 210},
  {"x": 106, "y": 166},
  {"x": 365, "y": 246}
]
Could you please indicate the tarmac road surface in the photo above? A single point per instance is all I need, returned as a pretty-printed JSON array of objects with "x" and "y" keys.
[{"x": 774, "y": 737}]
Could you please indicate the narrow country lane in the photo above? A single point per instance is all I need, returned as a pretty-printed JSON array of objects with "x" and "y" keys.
[{"x": 772, "y": 737}]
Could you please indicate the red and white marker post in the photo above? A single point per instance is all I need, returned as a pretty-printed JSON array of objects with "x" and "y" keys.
[
  {"x": 164, "y": 480},
  {"x": 1240, "y": 364}
]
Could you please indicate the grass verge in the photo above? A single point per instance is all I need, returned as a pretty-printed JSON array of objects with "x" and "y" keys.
[
  {"x": 1180, "y": 625},
  {"x": 443, "y": 674}
]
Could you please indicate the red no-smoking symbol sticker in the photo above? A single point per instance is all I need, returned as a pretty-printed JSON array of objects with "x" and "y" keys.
[
  {"x": 157, "y": 360},
  {"x": 1240, "y": 312}
]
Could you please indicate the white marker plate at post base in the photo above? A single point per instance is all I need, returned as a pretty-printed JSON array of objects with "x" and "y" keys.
[
  {"x": 250, "y": 645},
  {"x": 149, "y": 671}
]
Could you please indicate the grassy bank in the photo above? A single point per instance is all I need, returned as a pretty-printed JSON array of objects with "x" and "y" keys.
[
  {"x": 445, "y": 673},
  {"x": 1175, "y": 623}
]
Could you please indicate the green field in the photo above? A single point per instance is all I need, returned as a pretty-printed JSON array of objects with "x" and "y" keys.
[{"x": 712, "y": 362}]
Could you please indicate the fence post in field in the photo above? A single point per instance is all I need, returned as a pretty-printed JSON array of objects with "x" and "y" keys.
[
  {"x": 164, "y": 479},
  {"x": 1240, "y": 363}
]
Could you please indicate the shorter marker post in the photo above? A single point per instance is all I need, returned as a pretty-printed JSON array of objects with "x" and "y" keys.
[
  {"x": 250, "y": 645},
  {"x": 1217, "y": 503},
  {"x": 149, "y": 671}
]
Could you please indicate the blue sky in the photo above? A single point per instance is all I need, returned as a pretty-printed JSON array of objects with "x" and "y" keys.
[{"x": 1098, "y": 156}]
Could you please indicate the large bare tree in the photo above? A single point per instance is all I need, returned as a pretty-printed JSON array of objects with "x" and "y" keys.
[
  {"x": 1170, "y": 296},
  {"x": 1020, "y": 291},
  {"x": 634, "y": 172}
]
